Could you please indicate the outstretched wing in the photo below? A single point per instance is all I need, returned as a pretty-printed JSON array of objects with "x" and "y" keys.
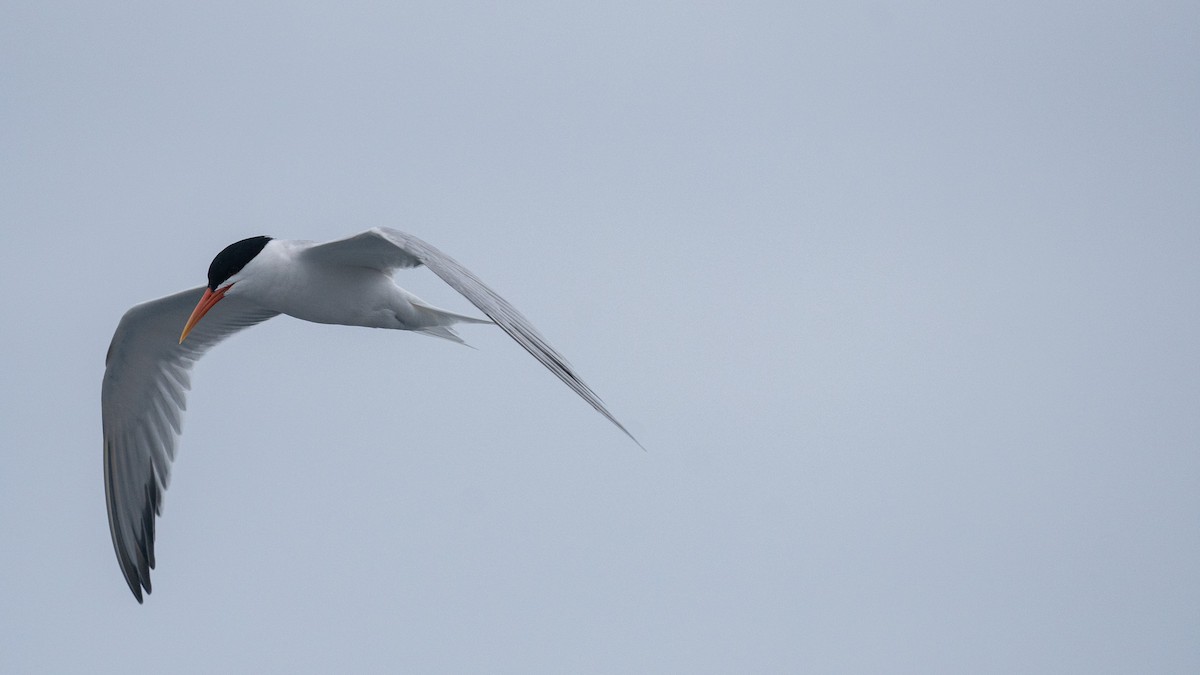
[
  {"x": 387, "y": 249},
  {"x": 142, "y": 402}
]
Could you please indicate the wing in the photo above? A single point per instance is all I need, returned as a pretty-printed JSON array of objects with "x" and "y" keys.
[
  {"x": 387, "y": 249},
  {"x": 142, "y": 402}
]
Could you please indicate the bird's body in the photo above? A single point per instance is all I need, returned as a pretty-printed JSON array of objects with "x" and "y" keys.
[
  {"x": 347, "y": 281},
  {"x": 313, "y": 282}
]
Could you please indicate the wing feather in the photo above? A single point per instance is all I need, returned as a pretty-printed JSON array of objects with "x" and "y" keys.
[
  {"x": 143, "y": 396},
  {"x": 388, "y": 249}
]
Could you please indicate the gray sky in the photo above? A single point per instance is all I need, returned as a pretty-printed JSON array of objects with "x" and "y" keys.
[{"x": 900, "y": 297}]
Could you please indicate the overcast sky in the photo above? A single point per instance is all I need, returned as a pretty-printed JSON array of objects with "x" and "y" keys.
[{"x": 901, "y": 299}]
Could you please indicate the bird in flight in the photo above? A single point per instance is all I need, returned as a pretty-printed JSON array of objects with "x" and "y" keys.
[{"x": 347, "y": 281}]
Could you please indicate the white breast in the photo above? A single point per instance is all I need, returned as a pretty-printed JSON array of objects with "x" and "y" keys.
[{"x": 280, "y": 280}]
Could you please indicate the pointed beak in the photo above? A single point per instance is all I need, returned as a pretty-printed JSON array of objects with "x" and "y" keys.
[{"x": 207, "y": 302}]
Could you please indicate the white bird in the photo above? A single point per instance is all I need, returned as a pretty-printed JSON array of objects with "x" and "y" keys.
[{"x": 348, "y": 281}]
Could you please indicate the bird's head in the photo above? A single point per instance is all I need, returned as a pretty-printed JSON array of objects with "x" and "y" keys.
[{"x": 223, "y": 273}]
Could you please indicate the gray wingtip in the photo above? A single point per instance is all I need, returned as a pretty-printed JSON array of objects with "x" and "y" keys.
[{"x": 623, "y": 429}]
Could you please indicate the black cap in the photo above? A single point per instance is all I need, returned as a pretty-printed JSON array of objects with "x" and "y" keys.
[{"x": 231, "y": 260}]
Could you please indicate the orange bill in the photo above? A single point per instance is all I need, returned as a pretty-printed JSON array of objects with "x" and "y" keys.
[{"x": 207, "y": 302}]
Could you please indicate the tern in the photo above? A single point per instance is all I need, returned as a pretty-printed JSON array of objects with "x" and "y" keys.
[{"x": 347, "y": 281}]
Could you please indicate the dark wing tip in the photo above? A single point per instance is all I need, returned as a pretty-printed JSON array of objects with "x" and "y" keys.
[
  {"x": 136, "y": 558},
  {"x": 136, "y": 574}
]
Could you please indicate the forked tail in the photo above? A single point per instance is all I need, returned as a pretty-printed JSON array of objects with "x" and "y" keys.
[{"x": 437, "y": 322}]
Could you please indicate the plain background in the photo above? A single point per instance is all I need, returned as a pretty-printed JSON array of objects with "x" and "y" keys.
[{"x": 900, "y": 297}]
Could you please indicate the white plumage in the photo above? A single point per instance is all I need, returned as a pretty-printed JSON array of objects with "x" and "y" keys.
[{"x": 348, "y": 281}]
